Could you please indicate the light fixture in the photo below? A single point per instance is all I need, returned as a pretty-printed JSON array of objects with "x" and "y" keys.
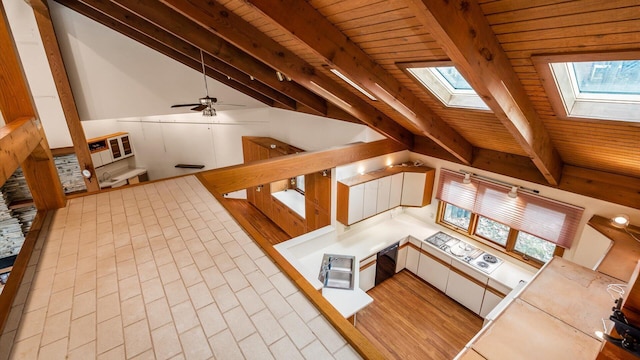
[
  {"x": 353, "y": 84},
  {"x": 209, "y": 111},
  {"x": 620, "y": 221},
  {"x": 467, "y": 179},
  {"x": 293, "y": 181},
  {"x": 513, "y": 193},
  {"x": 336, "y": 100},
  {"x": 259, "y": 188},
  {"x": 324, "y": 172},
  {"x": 280, "y": 76}
]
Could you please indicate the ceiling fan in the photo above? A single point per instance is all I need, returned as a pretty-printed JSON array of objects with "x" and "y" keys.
[{"x": 206, "y": 103}]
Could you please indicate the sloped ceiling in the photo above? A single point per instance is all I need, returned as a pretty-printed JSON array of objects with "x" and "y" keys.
[{"x": 490, "y": 42}]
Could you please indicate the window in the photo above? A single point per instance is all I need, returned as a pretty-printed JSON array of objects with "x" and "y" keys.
[
  {"x": 457, "y": 217},
  {"x": 534, "y": 247},
  {"x": 606, "y": 88},
  {"x": 443, "y": 80},
  {"x": 492, "y": 230},
  {"x": 529, "y": 226}
]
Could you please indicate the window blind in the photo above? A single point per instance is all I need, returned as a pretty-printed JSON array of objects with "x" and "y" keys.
[
  {"x": 545, "y": 218},
  {"x": 452, "y": 190}
]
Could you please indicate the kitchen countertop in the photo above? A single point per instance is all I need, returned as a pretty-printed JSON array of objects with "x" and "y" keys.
[
  {"x": 305, "y": 253},
  {"x": 292, "y": 199},
  {"x": 555, "y": 316},
  {"x": 121, "y": 176}
]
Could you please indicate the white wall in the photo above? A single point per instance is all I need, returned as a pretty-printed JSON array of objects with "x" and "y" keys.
[
  {"x": 113, "y": 76},
  {"x": 160, "y": 142}
]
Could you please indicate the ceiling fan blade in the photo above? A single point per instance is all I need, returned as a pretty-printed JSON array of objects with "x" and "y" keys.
[
  {"x": 225, "y": 104},
  {"x": 184, "y": 105},
  {"x": 200, "y": 107}
]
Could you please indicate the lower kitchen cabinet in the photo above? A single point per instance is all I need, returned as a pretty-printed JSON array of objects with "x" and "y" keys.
[
  {"x": 401, "y": 261},
  {"x": 413, "y": 257},
  {"x": 434, "y": 272},
  {"x": 491, "y": 299},
  {"x": 464, "y": 290},
  {"x": 368, "y": 273}
]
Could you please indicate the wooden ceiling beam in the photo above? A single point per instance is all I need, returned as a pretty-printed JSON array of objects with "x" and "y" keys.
[
  {"x": 238, "y": 177},
  {"x": 340, "y": 53},
  {"x": 177, "y": 49},
  {"x": 183, "y": 28},
  {"x": 218, "y": 20},
  {"x": 22, "y": 137},
  {"x": 461, "y": 29}
]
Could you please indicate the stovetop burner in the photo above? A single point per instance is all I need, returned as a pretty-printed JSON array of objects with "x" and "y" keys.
[
  {"x": 482, "y": 264},
  {"x": 489, "y": 258}
]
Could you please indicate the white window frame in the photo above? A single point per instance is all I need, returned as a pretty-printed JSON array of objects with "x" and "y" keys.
[{"x": 440, "y": 87}]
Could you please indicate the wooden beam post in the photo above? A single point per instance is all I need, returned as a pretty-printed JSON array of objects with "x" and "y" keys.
[
  {"x": 61, "y": 80},
  {"x": 16, "y": 103},
  {"x": 460, "y": 27},
  {"x": 238, "y": 177}
]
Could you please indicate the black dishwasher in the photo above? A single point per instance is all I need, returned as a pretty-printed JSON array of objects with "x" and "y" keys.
[{"x": 386, "y": 263}]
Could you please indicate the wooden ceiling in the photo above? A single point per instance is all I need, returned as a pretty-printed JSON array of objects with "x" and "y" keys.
[{"x": 490, "y": 42}]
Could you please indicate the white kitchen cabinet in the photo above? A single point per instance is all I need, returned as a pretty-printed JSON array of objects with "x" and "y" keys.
[
  {"x": 395, "y": 192},
  {"x": 370, "y": 199},
  {"x": 368, "y": 273},
  {"x": 465, "y": 291},
  {"x": 433, "y": 271},
  {"x": 413, "y": 256},
  {"x": 356, "y": 203},
  {"x": 384, "y": 193},
  {"x": 401, "y": 261},
  {"x": 101, "y": 158},
  {"x": 413, "y": 189},
  {"x": 490, "y": 301}
]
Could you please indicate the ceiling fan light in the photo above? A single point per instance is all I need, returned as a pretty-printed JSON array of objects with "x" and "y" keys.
[
  {"x": 620, "y": 221},
  {"x": 209, "y": 111}
]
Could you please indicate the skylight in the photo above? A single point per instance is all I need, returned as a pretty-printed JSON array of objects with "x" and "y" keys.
[
  {"x": 447, "y": 84},
  {"x": 607, "y": 90}
]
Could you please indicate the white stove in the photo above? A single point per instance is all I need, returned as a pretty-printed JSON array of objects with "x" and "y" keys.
[{"x": 486, "y": 263}]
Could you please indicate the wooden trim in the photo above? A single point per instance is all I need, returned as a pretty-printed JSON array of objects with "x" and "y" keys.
[
  {"x": 422, "y": 251},
  {"x": 68, "y": 150},
  {"x": 410, "y": 244},
  {"x": 106, "y": 137},
  {"x": 468, "y": 277},
  {"x": 243, "y": 176},
  {"x": 495, "y": 291},
  {"x": 20, "y": 267},
  {"x": 363, "y": 346},
  {"x": 369, "y": 264}
]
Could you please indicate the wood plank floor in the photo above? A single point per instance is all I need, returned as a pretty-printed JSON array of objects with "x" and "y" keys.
[{"x": 409, "y": 319}]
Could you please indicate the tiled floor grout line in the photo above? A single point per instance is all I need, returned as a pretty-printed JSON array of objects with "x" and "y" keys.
[{"x": 209, "y": 268}]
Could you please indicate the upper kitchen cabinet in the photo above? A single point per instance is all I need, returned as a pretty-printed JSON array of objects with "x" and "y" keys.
[
  {"x": 109, "y": 148},
  {"x": 366, "y": 195}
]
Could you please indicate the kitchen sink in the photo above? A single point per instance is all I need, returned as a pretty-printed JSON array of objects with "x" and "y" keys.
[
  {"x": 336, "y": 271},
  {"x": 339, "y": 280}
]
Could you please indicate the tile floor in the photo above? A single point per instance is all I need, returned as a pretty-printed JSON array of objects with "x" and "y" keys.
[{"x": 159, "y": 271}]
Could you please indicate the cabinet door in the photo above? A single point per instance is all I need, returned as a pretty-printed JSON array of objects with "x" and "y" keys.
[
  {"x": 413, "y": 189},
  {"x": 356, "y": 203},
  {"x": 116, "y": 151},
  {"x": 127, "y": 149},
  {"x": 370, "y": 198},
  {"x": 401, "y": 262},
  {"x": 465, "y": 291},
  {"x": 384, "y": 192},
  {"x": 105, "y": 157},
  {"x": 490, "y": 301},
  {"x": 367, "y": 276},
  {"x": 413, "y": 257},
  {"x": 296, "y": 225},
  {"x": 96, "y": 159},
  {"x": 433, "y": 272},
  {"x": 395, "y": 193}
]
